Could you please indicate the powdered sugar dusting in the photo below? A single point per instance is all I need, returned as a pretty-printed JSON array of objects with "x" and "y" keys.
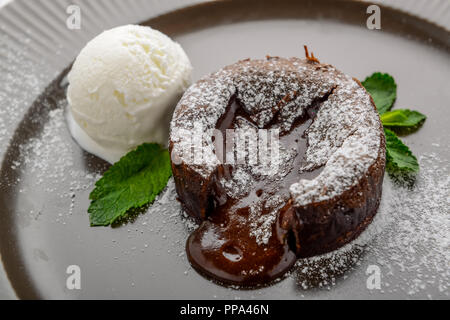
[
  {"x": 19, "y": 86},
  {"x": 261, "y": 225},
  {"x": 48, "y": 158},
  {"x": 418, "y": 239},
  {"x": 409, "y": 238},
  {"x": 345, "y": 136},
  {"x": 343, "y": 169}
]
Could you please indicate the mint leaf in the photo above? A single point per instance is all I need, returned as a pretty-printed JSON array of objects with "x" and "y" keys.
[
  {"x": 132, "y": 182},
  {"x": 383, "y": 90},
  {"x": 398, "y": 155},
  {"x": 402, "y": 118}
]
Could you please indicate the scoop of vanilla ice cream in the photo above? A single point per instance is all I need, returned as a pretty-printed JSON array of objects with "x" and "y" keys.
[{"x": 124, "y": 86}]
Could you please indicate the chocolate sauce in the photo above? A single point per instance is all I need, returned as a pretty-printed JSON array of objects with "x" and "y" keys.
[{"x": 223, "y": 247}]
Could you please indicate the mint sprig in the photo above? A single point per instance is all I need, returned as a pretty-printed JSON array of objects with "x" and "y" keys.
[
  {"x": 402, "y": 118},
  {"x": 134, "y": 181},
  {"x": 398, "y": 155},
  {"x": 383, "y": 90}
]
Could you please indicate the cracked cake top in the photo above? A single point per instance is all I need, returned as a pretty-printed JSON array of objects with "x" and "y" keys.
[{"x": 344, "y": 137}]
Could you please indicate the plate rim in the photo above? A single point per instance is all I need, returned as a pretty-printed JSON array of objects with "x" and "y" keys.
[{"x": 160, "y": 18}]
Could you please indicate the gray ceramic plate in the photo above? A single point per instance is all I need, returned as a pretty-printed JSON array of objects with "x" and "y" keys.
[{"x": 45, "y": 178}]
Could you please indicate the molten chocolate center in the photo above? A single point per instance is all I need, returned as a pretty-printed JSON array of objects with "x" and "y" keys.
[{"x": 225, "y": 246}]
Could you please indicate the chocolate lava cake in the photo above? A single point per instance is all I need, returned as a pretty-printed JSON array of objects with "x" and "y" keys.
[{"x": 320, "y": 190}]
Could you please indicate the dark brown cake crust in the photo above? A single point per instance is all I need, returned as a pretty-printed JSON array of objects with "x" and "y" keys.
[{"x": 328, "y": 225}]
